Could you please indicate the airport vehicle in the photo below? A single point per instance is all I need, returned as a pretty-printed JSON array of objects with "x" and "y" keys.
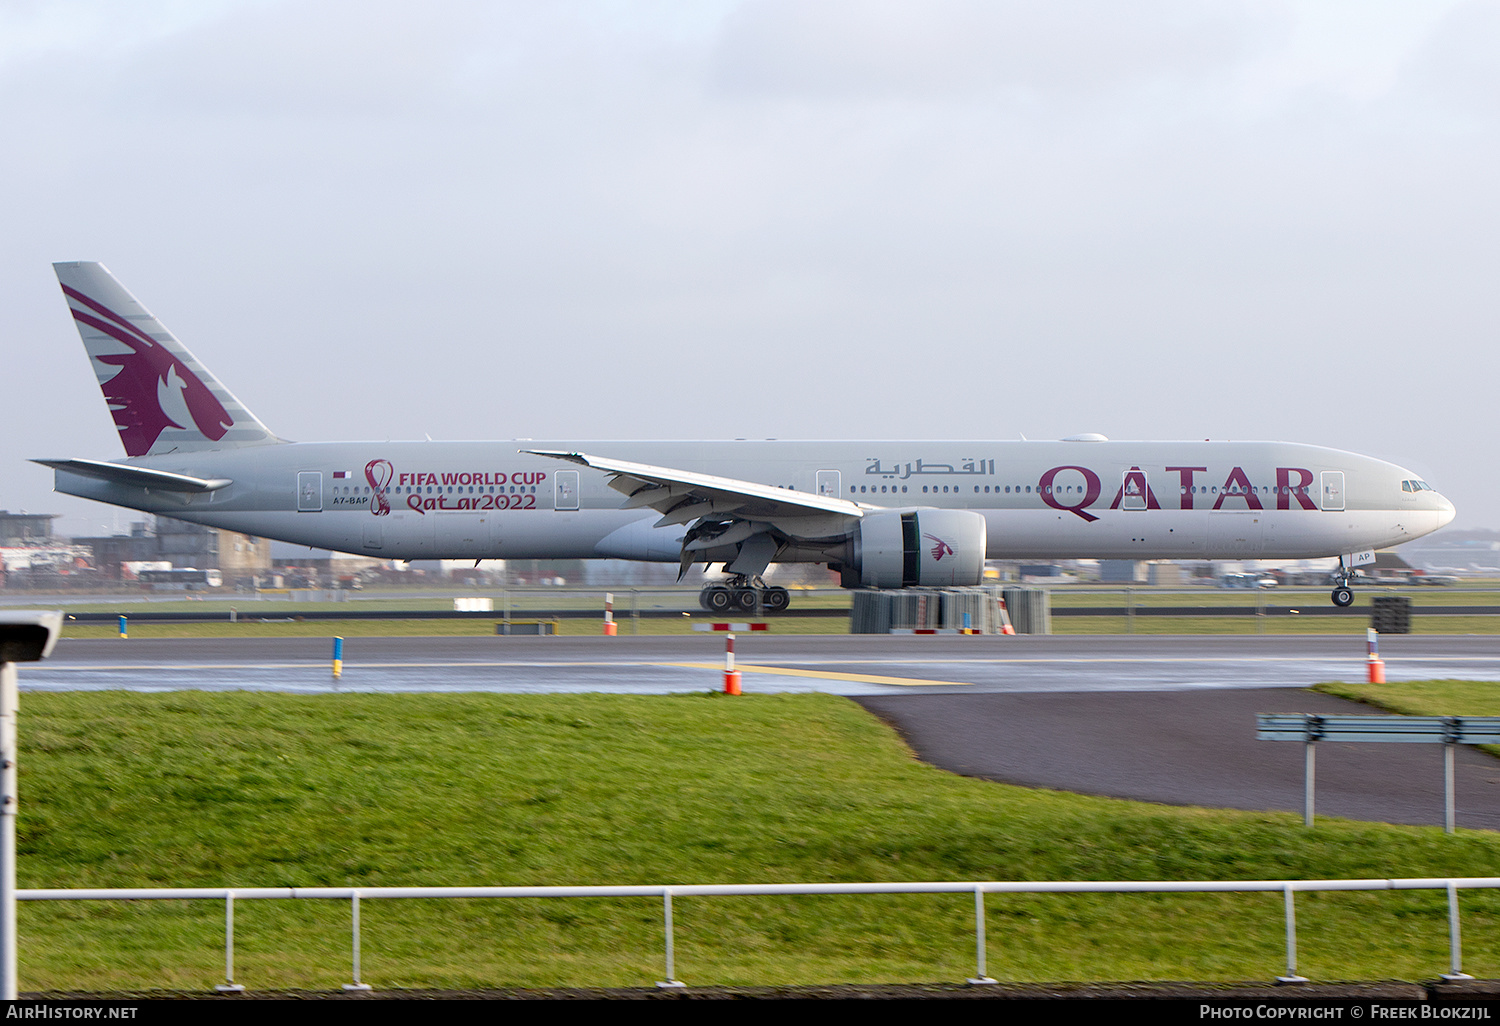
[
  {"x": 1253, "y": 581},
  {"x": 184, "y": 578},
  {"x": 883, "y": 514}
]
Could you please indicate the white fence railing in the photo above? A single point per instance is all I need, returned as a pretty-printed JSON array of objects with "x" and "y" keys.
[{"x": 1288, "y": 888}]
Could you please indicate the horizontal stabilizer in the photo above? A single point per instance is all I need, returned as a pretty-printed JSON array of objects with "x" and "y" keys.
[{"x": 137, "y": 477}]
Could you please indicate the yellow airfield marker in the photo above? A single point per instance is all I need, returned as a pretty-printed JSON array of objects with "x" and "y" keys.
[{"x": 857, "y": 678}]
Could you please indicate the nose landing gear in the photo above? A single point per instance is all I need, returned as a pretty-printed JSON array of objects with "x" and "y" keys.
[{"x": 1343, "y": 595}]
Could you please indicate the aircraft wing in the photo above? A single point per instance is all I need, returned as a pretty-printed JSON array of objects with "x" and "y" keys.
[
  {"x": 137, "y": 477},
  {"x": 682, "y": 496}
]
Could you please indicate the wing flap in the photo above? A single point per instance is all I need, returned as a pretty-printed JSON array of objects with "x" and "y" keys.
[{"x": 681, "y": 496}]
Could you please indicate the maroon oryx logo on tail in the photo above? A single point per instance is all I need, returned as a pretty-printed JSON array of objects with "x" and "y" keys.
[
  {"x": 148, "y": 375},
  {"x": 939, "y": 550}
]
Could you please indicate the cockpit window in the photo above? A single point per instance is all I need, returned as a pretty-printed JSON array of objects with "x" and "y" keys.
[{"x": 1415, "y": 486}]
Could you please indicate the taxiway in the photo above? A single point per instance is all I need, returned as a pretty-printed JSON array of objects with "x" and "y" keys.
[{"x": 837, "y": 664}]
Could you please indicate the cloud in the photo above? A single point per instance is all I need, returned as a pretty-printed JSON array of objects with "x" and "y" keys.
[
  {"x": 957, "y": 48},
  {"x": 1456, "y": 69},
  {"x": 1100, "y": 215}
]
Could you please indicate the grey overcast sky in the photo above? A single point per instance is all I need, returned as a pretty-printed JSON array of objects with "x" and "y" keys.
[{"x": 769, "y": 218}]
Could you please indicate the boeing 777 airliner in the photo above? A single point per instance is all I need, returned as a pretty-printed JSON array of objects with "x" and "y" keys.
[{"x": 883, "y": 514}]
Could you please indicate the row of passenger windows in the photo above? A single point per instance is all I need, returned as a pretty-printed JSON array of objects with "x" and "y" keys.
[
  {"x": 933, "y": 488},
  {"x": 1079, "y": 489},
  {"x": 437, "y": 489},
  {"x": 1406, "y": 486}
]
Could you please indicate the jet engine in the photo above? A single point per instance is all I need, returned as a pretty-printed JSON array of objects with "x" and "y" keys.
[{"x": 920, "y": 548}]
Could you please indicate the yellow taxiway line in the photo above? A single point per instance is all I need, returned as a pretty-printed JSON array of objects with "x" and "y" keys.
[{"x": 858, "y": 678}]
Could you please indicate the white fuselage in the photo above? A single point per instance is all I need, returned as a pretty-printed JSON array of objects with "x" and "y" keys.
[{"x": 1040, "y": 500}]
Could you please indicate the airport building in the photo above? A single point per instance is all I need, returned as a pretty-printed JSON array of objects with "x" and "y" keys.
[
  {"x": 21, "y": 529},
  {"x": 209, "y": 548},
  {"x": 182, "y": 544}
]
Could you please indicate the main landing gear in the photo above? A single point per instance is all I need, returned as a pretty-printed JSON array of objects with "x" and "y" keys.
[
  {"x": 743, "y": 594},
  {"x": 1343, "y": 595}
]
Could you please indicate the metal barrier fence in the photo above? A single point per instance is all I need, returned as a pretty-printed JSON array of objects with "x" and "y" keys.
[
  {"x": 1288, "y": 889},
  {"x": 1311, "y": 728}
]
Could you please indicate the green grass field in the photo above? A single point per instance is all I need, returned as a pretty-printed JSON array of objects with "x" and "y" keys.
[
  {"x": 1198, "y": 625},
  {"x": 425, "y": 628},
  {"x": 1425, "y": 697},
  {"x": 1145, "y": 597},
  {"x": 837, "y": 624},
  {"x": 1216, "y": 605},
  {"x": 246, "y": 789}
]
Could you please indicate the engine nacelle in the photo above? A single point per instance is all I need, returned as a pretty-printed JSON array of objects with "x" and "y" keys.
[{"x": 921, "y": 548}]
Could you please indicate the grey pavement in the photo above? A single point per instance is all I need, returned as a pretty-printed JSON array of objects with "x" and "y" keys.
[{"x": 1188, "y": 748}]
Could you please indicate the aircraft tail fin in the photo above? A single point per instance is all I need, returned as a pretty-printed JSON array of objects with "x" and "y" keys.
[{"x": 162, "y": 399}]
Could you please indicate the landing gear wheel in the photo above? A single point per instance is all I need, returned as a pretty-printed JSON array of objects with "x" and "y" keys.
[
  {"x": 744, "y": 600},
  {"x": 777, "y": 599},
  {"x": 1343, "y": 597},
  {"x": 718, "y": 600}
]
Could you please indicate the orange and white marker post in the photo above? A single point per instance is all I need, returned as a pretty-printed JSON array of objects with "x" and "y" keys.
[
  {"x": 731, "y": 675},
  {"x": 609, "y": 615},
  {"x": 1373, "y": 662}
]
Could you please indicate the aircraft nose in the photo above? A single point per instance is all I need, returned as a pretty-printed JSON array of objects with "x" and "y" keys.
[{"x": 1446, "y": 513}]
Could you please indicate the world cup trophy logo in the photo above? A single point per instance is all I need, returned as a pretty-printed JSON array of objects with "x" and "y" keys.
[{"x": 379, "y": 474}]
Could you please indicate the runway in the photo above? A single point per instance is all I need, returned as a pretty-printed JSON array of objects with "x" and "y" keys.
[
  {"x": 852, "y": 665},
  {"x": 1164, "y": 719}
]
